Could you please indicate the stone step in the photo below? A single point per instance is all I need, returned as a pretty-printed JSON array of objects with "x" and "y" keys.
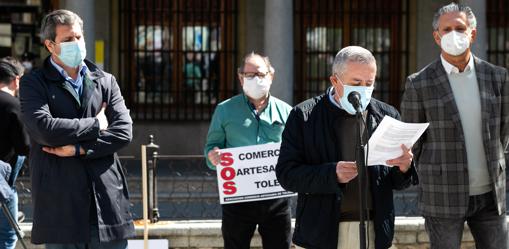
[{"x": 409, "y": 233}]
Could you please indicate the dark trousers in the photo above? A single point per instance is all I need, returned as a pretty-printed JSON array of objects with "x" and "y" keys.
[
  {"x": 488, "y": 228},
  {"x": 272, "y": 217}
]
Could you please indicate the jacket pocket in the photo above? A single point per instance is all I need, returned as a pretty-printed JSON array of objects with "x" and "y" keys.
[
  {"x": 316, "y": 219},
  {"x": 122, "y": 175},
  {"x": 430, "y": 174}
]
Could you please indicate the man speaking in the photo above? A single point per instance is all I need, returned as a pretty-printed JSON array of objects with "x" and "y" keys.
[{"x": 317, "y": 160}]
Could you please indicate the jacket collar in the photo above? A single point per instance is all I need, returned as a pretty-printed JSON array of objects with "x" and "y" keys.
[
  {"x": 451, "y": 69},
  {"x": 444, "y": 91},
  {"x": 271, "y": 107},
  {"x": 374, "y": 110},
  {"x": 486, "y": 91},
  {"x": 52, "y": 74},
  {"x": 89, "y": 83}
]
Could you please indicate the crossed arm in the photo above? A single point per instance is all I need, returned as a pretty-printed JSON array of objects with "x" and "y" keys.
[
  {"x": 71, "y": 149},
  {"x": 95, "y": 137}
]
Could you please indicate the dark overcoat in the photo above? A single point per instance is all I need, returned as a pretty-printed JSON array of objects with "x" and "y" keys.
[{"x": 67, "y": 190}]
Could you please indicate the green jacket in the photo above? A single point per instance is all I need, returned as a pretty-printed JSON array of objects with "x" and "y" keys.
[{"x": 235, "y": 124}]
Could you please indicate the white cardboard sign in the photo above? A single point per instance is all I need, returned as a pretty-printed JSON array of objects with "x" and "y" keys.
[
  {"x": 248, "y": 173},
  {"x": 152, "y": 244}
]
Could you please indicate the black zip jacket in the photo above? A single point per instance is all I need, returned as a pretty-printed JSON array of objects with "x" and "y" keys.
[{"x": 307, "y": 165}]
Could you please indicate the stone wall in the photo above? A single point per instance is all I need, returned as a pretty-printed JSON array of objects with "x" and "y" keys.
[{"x": 206, "y": 234}]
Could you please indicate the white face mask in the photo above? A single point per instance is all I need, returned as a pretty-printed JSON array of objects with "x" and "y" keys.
[
  {"x": 455, "y": 43},
  {"x": 365, "y": 96},
  {"x": 256, "y": 87}
]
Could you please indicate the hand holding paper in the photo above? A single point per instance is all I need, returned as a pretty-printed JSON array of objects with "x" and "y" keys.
[
  {"x": 385, "y": 143},
  {"x": 404, "y": 161}
]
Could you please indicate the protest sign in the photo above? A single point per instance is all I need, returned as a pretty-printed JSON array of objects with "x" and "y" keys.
[{"x": 248, "y": 173}]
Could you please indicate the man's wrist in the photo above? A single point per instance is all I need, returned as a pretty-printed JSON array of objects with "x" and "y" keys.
[{"x": 403, "y": 169}]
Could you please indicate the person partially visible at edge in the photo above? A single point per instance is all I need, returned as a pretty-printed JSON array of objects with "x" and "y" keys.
[
  {"x": 460, "y": 158},
  {"x": 251, "y": 118},
  {"x": 77, "y": 121},
  {"x": 317, "y": 160},
  {"x": 14, "y": 141}
]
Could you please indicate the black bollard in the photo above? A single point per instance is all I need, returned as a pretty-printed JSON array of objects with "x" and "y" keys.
[{"x": 152, "y": 148}]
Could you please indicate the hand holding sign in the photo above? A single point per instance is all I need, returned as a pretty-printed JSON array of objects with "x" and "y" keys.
[{"x": 214, "y": 156}]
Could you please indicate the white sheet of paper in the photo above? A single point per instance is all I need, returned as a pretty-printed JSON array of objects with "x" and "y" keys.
[{"x": 385, "y": 143}]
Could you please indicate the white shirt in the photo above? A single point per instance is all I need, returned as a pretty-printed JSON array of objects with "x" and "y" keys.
[{"x": 449, "y": 68}]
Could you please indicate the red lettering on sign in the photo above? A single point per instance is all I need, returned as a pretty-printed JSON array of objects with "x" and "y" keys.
[
  {"x": 229, "y": 188},
  {"x": 228, "y": 173},
  {"x": 226, "y": 159}
]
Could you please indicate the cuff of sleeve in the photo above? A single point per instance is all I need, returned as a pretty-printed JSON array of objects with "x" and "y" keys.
[{"x": 77, "y": 150}]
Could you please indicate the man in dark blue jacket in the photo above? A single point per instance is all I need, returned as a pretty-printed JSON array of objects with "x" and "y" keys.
[
  {"x": 77, "y": 120},
  {"x": 317, "y": 160}
]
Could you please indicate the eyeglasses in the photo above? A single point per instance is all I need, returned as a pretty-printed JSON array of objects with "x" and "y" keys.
[{"x": 251, "y": 75}]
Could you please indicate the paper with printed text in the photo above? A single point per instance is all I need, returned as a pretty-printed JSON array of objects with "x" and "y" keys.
[{"x": 386, "y": 141}]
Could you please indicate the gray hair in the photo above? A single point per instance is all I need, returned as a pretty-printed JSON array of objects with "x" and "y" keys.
[
  {"x": 349, "y": 54},
  {"x": 58, "y": 17},
  {"x": 454, "y": 7},
  {"x": 253, "y": 54}
]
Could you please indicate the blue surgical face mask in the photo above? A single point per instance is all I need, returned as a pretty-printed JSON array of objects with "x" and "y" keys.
[
  {"x": 364, "y": 91},
  {"x": 72, "y": 53}
]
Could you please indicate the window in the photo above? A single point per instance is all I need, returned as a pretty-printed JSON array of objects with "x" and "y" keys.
[
  {"x": 177, "y": 58},
  {"x": 323, "y": 27},
  {"x": 498, "y": 32}
]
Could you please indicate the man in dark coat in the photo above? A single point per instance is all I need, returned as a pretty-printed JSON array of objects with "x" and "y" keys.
[
  {"x": 317, "y": 160},
  {"x": 14, "y": 143},
  {"x": 77, "y": 120}
]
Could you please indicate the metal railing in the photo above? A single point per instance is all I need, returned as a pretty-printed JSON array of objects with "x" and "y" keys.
[
  {"x": 190, "y": 189},
  {"x": 179, "y": 186},
  {"x": 182, "y": 187}
]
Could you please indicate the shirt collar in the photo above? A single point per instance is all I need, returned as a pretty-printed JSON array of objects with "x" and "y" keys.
[
  {"x": 82, "y": 69},
  {"x": 271, "y": 107},
  {"x": 331, "y": 93},
  {"x": 451, "y": 69}
]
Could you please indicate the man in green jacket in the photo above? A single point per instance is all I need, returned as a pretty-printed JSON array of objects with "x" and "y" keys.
[{"x": 251, "y": 118}]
